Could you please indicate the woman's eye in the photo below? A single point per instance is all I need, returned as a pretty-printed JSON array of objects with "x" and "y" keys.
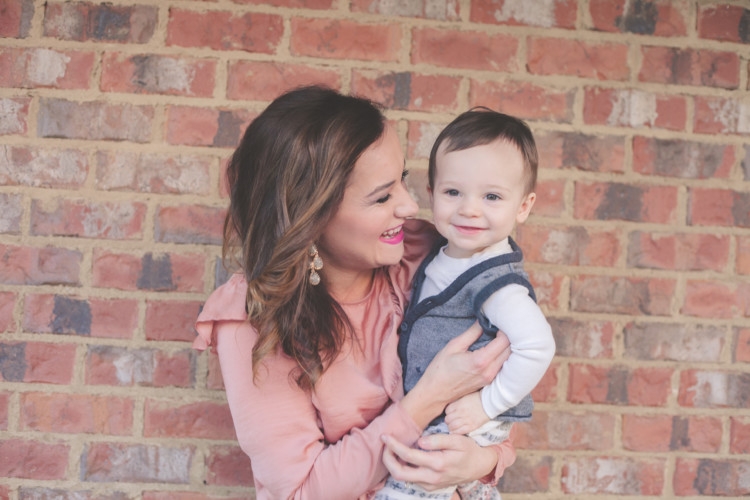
[
  {"x": 383, "y": 199},
  {"x": 404, "y": 175}
]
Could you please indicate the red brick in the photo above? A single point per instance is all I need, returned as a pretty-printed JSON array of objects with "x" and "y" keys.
[
  {"x": 619, "y": 385},
  {"x": 420, "y": 137},
  {"x": 718, "y": 207},
  {"x": 4, "y": 401},
  {"x": 741, "y": 345},
  {"x": 550, "y": 198},
  {"x": 95, "y": 120},
  {"x": 554, "y": 14},
  {"x": 15, "y": 18},
  {"x": 49, "y": 363},
  {"x": 613, "y": 476},
  {"x": 408, "y": 91},
  {"x": 35, "y": 68},
  {"x": 83, "y": 21},
  {"x": 634, "y": 109},
  {"x": 206, "y": 126},
  {"x": 33, "y": 460},
  {"x": 38, "y": 362},
  {"x": 684, "y": 252},
  {"x": 11, "y": 212},
  {"x": 659, "y": 18},
  {"x": 695, "y": 67},
  {"x": 714, "y": 389},
  {"x": 306, "y": 4},
  {"x": 739, "y": 435},
  {"x": 727, "y": 23},
  {"x": 343, "y": 39},
  {"x": 203, "y": 420},
  {"x": 566, "y": 431},
  {"x": 524, "y": 100},
  {"x": 743, "y": 255},
  {"x": 174, "y": 369},
  {"x": 716, "y": 115},
  {"x": 661, "y": 433},
  {"x": 527, "y": 476},
  {"x": 716, "y": 299},
  {"x": 171, "y": 320},
  {"x": 465, "y": 49},
  {"x": 156, "y": 74},
  {"x": 190, "y": 224},
  {"x": 218, "y": 30},
  {"x": 228, "y": 466},
  {"x": 153, "y": 173},
  {"x": 107, "y": 318},
  {"x": 711, "y": 477},
  {"x": 39, "y": 266},
  {"x": 76, "y": 413},
  {"x": 549, "y": 289},
  {"x": 134, "y": 463},
  {"x": 44, "y": 167},
  {"x": 88, "y": 219},
  {"x": 546, "y": 389},
  {"x": 673, "y": 342},
  {"x": 583, "y": 339},
  {"x": 425, "y": 9},
  {"x": 682, "y": 159},
  {"x": 580, "y": 151},
  {"x": 559, "y": 56},
  {"x": 7, "y": 305},
  {"x": 266, "y": 80},
  {"x": 622, "y": 295},
  {"x": 628, "y": 202},
  {"x": 15, "y": 115},
  {"x": 571, "y": 246},
  {"x": 165, "y": 272}
]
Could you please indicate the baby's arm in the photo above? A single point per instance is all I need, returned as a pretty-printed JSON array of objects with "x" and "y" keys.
[{"x": 532, "y": 346}]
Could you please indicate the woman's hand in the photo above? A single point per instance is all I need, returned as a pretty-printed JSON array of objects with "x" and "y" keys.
[
  {"x": 454, "y": 372},
  {"x": 443, "y": 460}
]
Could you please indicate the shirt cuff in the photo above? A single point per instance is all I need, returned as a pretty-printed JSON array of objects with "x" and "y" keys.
[{"x": 506, "y": 455}]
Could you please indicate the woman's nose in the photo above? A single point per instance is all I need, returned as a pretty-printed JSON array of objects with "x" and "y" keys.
[{"x": 406, "y": 206}]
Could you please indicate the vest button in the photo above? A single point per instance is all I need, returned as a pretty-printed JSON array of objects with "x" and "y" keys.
[{"x": 404, "y": 326}]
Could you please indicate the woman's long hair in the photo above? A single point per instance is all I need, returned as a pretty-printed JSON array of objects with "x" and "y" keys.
[{"x": 286, "y": 179}]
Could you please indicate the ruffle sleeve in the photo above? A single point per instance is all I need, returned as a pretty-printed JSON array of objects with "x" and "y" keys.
[{"x": 226, "y": 303}]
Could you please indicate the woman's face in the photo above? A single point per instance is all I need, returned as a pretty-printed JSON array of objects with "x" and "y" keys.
[{"x": 366, "y": 230}]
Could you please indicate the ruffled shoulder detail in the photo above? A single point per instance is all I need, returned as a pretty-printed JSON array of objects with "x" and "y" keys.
[{"x": 226, "y": 303}]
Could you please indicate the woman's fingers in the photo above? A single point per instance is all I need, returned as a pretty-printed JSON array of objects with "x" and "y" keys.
[{"x": 463, "y": 342}]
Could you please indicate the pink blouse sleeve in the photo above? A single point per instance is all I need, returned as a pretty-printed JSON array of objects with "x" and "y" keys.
[
  {"x": 276, "y": 422},
  {"x": 277, "y": 428}
]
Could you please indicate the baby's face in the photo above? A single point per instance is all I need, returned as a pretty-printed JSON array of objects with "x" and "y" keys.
[{"x": 479, "y": 196}]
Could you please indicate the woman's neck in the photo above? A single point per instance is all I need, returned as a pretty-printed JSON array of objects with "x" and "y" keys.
[{"x": 349, "y": 287}]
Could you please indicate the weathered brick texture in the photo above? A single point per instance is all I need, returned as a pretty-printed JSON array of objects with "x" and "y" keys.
[{"x": 116, "y": 123}]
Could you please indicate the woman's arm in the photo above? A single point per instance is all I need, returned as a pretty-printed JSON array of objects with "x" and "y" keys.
[{"x": 277, "y": 427}]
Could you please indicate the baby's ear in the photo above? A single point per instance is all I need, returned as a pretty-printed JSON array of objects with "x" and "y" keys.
[{"x": 525, "y": 208}]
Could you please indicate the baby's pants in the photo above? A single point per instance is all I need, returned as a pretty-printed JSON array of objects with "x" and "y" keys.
[{"x": 492, "y": 432}]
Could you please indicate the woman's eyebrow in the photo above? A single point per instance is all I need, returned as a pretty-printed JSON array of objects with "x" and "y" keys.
[{"x": 382, "y": 187}]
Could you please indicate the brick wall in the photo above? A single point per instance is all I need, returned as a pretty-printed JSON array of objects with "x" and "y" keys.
[{"x": 115, "y": 123}]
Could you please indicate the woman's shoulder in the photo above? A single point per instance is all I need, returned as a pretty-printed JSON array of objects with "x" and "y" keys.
[{"x": 226, "y": 303}]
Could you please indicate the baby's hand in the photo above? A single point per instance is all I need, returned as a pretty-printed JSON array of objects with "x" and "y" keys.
[{"x": 466, "y": 414}]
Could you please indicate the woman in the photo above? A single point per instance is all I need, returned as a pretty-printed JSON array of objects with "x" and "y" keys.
[{"x": 320, "y": 220}]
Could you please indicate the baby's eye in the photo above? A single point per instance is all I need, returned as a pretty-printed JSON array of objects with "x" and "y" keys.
[
  {"x": 493, "y": 197},
  {"x": 451, "y": 192}
]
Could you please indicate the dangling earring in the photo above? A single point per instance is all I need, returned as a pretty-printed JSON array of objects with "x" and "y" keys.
[{"x": 316, "y": 264}]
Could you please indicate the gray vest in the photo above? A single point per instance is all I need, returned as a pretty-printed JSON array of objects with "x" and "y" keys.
[{"x": 433, "y": 322}]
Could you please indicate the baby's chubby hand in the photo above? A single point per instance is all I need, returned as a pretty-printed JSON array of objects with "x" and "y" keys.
[{"x": 465, "y": 414}]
